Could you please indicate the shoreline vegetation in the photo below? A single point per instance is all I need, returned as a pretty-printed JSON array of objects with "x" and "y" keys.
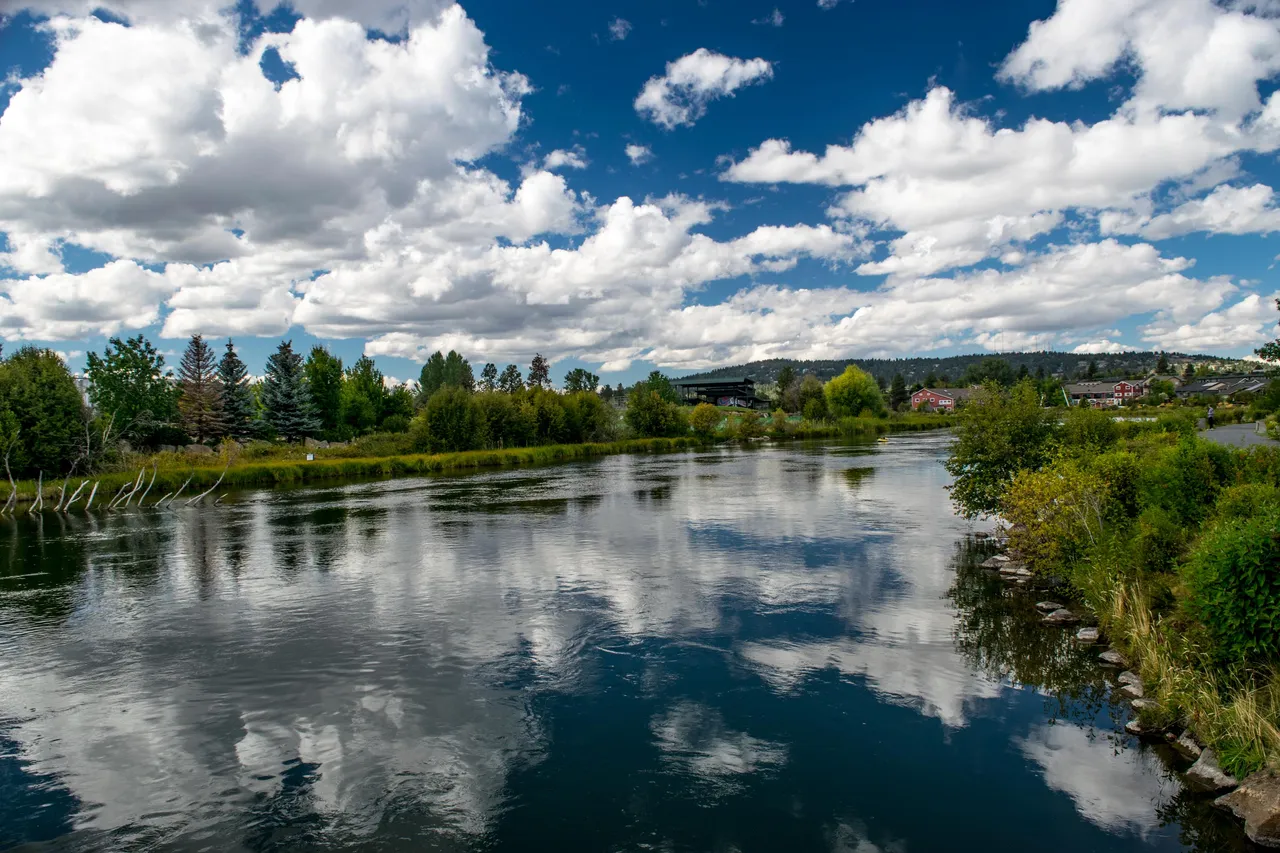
[
  {"x": 1171, "y": 542},
  {"x": 265, "y": 465}
]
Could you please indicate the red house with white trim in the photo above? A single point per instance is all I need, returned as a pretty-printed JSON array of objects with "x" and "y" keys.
[{"x": 942, "y": 399}]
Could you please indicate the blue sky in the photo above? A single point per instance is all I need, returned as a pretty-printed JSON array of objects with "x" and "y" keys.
[{"x": 682, "y": 184}]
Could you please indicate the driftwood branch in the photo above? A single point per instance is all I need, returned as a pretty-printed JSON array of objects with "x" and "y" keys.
[
  {"x": 38, "y": 503},
  {"x": 75, "y": 496},
  {"x": 200, "y": 496},
  {"x": 149, "y": 485},
  {"x": 89, "y": 503}
]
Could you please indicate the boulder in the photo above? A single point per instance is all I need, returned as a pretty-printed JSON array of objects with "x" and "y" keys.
[
  {"x": 1185, "y": 746},
  {"x": 1132, "y": 691},
  {"x": 336, "y": 444},
  {"x": 1257, "y": 803},
  {"x": 1048, "y": 606},
  {"x": 1111, "y": 657},
  {"x": 1144, "y": 704},
  {"x": 168, "y": 448},
  {"x": 994, "y": 562},
  {"x": 199, "y": 450},
  {"x": 1061, "y": 616},
  {"x": 1128, "y": 677},
  {"x": 310, "y": 444},
  {"x": 1206, "y": 775},
  {"x": 1087, "y": 636},
  {"x": 1136, "y": 728}
]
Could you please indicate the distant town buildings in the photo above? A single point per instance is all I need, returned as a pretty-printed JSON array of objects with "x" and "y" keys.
[{"x": 942, "y": 399}]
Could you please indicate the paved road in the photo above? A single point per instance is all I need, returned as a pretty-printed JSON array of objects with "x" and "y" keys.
[{"x": 1238, "y": 435}]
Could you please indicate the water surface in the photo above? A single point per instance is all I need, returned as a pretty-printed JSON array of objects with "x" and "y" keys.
[{"x": 781, "y": 648}]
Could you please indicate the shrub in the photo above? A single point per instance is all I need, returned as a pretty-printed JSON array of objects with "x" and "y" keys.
[
  {"x": 1086, "y": 429},
  {"x": 396, "y": 423},
  {"x": 1158, "y": 541},
  {"x": 650, "y": 415},
  {"x": 1120, "y": 471},
  {"x": 1233, "y": 585},
  {"x": 815, "y": 409},
  {"x": 778, "y": 425},
  {"x": 997, "y": 435},
  {"x": 705, "y": 419},
  {"x": 451, "y": 421},
  {"x": 1055, "y": 513},
  {"x": 1245, "y": 500},
  {"x": 588, "y": 418},
  {"x": 1185, "y": 479},
  {"x": 811, "y": 399},
  {"x": 852, "y": 393}
]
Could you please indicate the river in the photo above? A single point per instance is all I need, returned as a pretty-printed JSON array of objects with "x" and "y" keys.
[{"x": 781, "y": 648}]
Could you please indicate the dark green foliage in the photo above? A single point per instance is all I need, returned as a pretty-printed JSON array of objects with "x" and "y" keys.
[
  {"x": 1162, "y": 365},
  {"x": 995, "y": 370},
  {"x": 898, "y": 395},
  {"x": 396, "y": 423},
  {"x": 1184, "y": 480},
  {"x": 547, "y": 408},
  {"x": 200, "y": 397},
  {"x": 811, "y": 400},
  {"x": 129, "y": 388},
  {"x": 511, "y": 380},
  {"x": 653, "y": 408},
  {"x": 324, "y": 380},
  {"x": 506, "y": 424},
  {"x": 588, "y": 418},
  {"x": 489, "y": 378},
  {"x": 1244, "y": 500},
  {"x": 364, "y": 396},
  {"x": 441, "y": 370},
  {"x": 400, "y": 403},
  {"x": 42, "y": 418},
  {"x": 1158, "y": 541},
  {"x": 1233, "y": 579},
  {"x": 286, "y": 403},
  {"x": 580, "y": 380},
  {"x": 450, "y": 421},
  {"x": 539, "y": 372},
  {"x": 239, "y": 407},
  {"x": 1091, "y": 371},
  {"x": 998, "y": 434}
]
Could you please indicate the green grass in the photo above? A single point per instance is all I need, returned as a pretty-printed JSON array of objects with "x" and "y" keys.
[{"x": 172, "y": 469}]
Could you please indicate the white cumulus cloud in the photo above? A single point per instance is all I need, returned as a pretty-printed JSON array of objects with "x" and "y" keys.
[
  {"x": 639, "y": 154},
  {"x": 680, "y": 96}
]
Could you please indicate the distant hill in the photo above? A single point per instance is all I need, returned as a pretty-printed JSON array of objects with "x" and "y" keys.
[{"x": 950, "y": 369}]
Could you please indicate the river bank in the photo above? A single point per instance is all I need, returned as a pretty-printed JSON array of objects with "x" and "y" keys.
[{"x": 154, "y": 476}]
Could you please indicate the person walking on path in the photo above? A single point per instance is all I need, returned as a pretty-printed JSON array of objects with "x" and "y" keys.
[{"x": 1209, "y": 418}]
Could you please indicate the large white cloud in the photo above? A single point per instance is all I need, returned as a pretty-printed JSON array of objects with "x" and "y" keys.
[
  {"x": 389, "y": 16},
  {"x": 1188, "y": 54},
  {"x": 680, "y": 96}
]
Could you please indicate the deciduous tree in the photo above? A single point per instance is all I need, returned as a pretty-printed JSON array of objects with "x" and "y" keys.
[
  {"x": 580, "y": 380},
  {"x": 324, "y": 382},
  {"x": 42, "y": 417},
  {"x": 511, "y": 380},
  {"x": 129, "y": 385},
  {"x": 489, "y": 377},
  {"x": 539, "y": 372},
  {"x": 852, "y": 393}
]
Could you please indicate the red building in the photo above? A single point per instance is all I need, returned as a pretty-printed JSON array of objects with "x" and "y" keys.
[{"x": 943, "y": 399}]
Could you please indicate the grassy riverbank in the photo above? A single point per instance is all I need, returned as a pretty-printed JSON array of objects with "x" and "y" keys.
[
  {"x": 380, "y": 456},
  {"x": 1172, "y": 541}
]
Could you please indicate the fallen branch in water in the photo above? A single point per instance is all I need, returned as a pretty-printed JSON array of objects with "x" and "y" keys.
[
  {"x": 200, "y": 496},
  {"x": 91, "y": 494},
  {"x": 75, "y": 497},
  {"x": 38, "y": 504},
  {"x": 149, "y": 485}
]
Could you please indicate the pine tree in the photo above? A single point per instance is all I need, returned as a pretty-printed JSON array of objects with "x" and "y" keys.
[
  {"x": 239, "y": 409},
  {"x": 201, "y": 400},
  {"x": 898, "y": 395},
  {"x": 539, "y": 372},
  {"x": 286, "y": 402},
  {"x": 1162, "y": 365},
  {"x": 489, "y": 377}
]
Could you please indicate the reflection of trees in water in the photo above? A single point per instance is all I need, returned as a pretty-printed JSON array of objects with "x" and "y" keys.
[
  {"x": 1202, "y": 827},
  {"x": 999, "y": 633}
]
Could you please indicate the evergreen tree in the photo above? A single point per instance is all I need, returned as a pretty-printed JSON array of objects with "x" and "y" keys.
[
  {"x": 539, "y": 372},
  {"x": 489, "y": 377},
  {"x": 324, "y": 381},
  {"x": 1091, "y": 372},
  {"x": 1040, "y": 373},
  {"x": 431, "y": 379},
  {"x": 580, "y": 380},
  {"x": 441, "y": 370},
  {"x": 42, "y": 417},
  {"x": 1189, "y": 372},
  {"x": 898, "y": 395},
  {"x": 1162, "y": 365},
  {"x": 510, "y": 381},
  {"x": 200, "y": 400},
  {"x": 931, "y": 381},
  {"x": 239, "y": 407},
  {"x": 286, "y": 402},
  {"x": 457, "y": 372}
]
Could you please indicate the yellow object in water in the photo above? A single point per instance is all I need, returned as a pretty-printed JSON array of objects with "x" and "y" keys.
[{"x": 883, "y": 440}]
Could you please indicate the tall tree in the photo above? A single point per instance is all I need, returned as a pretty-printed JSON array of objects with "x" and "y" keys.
[
  {"x": 128, "y": 384},
  {"x": 580, "y": 380},
  {"x": 1189, "y": 372},
  {"x": 510, "y": 381},
  {"x": 989, "y": 370},
  {"x": 1091, "y": 371},
  {"x": 324, "y": 381},
  {"x": 239, "y": 407},
  {"x": 852, "y": 393},
  {"x": 457, "y": 372},
  {"x": 898, "y": 395},
  {"x": 786, "y": 378},
  {"x": 364, "y": 395},
  {"x": 539, "y": 372},
  {"x": 431, "y": 379},
  {"x": 286, "y": 402},
  {"x": 489, "y": 377},
  {"x": 931, "y": 381},
  {"x": 200, "y": 398},
  {"x": 42, "y": 417},
  {"x": 1162, "y": 364}
]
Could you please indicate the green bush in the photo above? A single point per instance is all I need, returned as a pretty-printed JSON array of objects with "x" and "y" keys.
[
  {"x": 396, "y": 423},
  {"x": 1157, "y": 541},
  {"x": 1184, "y": 480},
  {"x": 1086, "y": 429},
  {"x": 1245, "y": 500},
  {"x": 1120, "y": 471},
  {"x": 1232, "y": 579},
  {"x": 852, "y": 393}
]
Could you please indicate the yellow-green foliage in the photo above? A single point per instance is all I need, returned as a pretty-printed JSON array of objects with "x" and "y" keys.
[
  {"x": 853, "y": 393},
  {"x": 1056, "y": 513},
  {"x": 705, "y": 419}
]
